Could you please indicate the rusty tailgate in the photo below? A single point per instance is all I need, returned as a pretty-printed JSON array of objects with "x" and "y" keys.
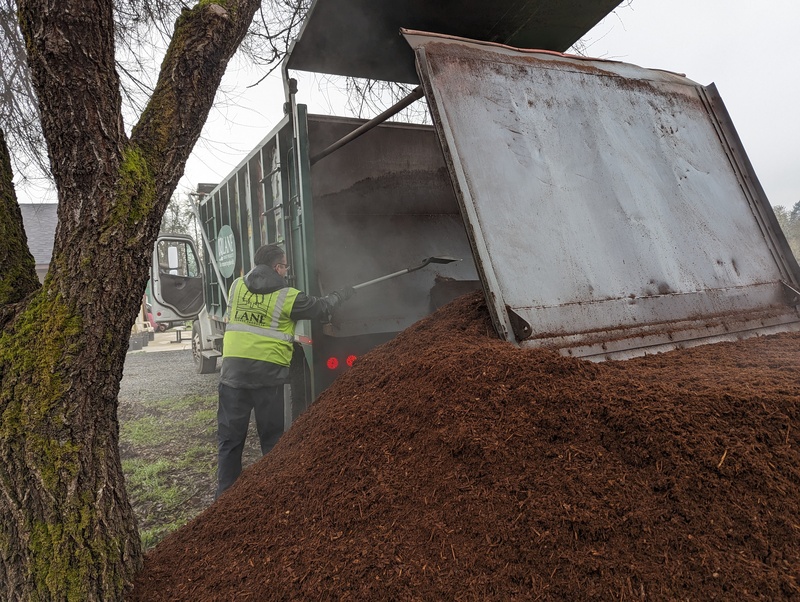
[{"x": 611, "y": 209}]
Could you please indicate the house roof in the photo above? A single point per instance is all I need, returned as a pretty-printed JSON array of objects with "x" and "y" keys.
[{"x": 40, "y": 221}]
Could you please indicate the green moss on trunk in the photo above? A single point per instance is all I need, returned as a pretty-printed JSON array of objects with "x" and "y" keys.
[
  {"x": 136, "y": 192},
  {"x": 66, "y": 537},
  {"x": 32, "y": 353}
]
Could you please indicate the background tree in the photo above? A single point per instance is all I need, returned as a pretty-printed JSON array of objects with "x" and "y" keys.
[
  {"x": 793, "y": 233},
  {"x": 783, "y": 216},
  {"x": 789, "y": 220},
  {"x": 67, "y": 531},
  {"x": 179, "y": 217}
]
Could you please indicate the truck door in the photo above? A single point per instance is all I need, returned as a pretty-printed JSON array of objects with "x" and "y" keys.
[
  {"x": 611, "y": 209},
  {"x": 177, "y": 282}
]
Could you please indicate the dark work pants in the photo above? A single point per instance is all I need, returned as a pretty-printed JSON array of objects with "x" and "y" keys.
[{"x": 233, "y": 420}]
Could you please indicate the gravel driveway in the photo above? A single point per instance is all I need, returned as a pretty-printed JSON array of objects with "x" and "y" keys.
[{"x": 164, "y": 370}]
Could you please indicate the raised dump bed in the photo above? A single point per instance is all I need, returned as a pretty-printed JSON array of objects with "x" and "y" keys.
[{"x": 612, "y": 209}]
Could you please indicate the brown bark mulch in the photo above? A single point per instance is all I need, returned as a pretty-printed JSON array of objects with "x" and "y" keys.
[{"x": 448, "y": 465}]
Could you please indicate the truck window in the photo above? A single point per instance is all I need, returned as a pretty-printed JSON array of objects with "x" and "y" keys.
[{"x": 176, "y": 258}]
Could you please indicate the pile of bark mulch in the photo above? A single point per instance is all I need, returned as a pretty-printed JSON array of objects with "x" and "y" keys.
[{"x": 448, "y": 465}]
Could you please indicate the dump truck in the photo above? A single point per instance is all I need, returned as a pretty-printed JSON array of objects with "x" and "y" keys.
[{"x": 605, "y": 210}]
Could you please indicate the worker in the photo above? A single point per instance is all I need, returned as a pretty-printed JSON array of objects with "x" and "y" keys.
[{"x": 256, "y": 352}]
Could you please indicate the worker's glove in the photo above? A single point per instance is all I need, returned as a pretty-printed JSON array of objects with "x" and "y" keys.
[
  {"x": 346, "y": 293},
  {"x": 333, "y": 300},
  {"x": 336, "y": 298}
]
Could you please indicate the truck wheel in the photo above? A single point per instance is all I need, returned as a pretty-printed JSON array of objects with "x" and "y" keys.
[{"x": 203, "y": 365}]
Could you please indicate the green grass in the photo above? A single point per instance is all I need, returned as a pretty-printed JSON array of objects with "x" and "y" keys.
[
  {"x": 148, "y": 431},
  {"x": 169, "y": 459},
  {"x": 206, "y": 420},
  {"x": 150, "y": 537},
  {"x": 150, "y": 482},
  {"x": 189, "y": 402},
  {"x": 195, "y": 456},
  {"x": 169, "y": 462}
]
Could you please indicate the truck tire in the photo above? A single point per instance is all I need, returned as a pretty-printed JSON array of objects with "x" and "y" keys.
[{"x": 203, "y": 365}]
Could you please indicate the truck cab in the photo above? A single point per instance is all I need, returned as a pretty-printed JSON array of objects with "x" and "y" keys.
[{"x": 176, "y": 281}]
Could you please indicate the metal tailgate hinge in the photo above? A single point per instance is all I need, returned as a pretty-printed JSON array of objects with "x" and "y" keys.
[
  {"x": 521, "y": 328},
  {"x": 791, "y": 293}
]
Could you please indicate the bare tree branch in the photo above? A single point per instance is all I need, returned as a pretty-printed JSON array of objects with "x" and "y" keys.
[{"x": 142, "y": 29}]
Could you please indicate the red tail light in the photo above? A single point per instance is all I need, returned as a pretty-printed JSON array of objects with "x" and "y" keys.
[{"x": 333, "y": 362}]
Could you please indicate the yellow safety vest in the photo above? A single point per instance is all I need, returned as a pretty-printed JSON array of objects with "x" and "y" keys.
[{"x": 259, "y": 327}]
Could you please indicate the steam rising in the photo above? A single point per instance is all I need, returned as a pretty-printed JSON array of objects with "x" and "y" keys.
[{"x": 384, "y": 203}]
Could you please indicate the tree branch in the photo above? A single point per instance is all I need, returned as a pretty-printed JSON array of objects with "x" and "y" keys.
[
  {"x": 17, "y": 266},
  {"x": 205, "y": 39}
]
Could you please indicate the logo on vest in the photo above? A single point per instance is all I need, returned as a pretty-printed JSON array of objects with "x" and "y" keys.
[{"x": 250, "y": 317}]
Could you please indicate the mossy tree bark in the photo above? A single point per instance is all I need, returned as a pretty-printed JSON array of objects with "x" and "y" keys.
[{"x": 67, "y": 531}]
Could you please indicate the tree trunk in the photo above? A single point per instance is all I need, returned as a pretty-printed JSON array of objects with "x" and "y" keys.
[{"x": 67, "y": 531}]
